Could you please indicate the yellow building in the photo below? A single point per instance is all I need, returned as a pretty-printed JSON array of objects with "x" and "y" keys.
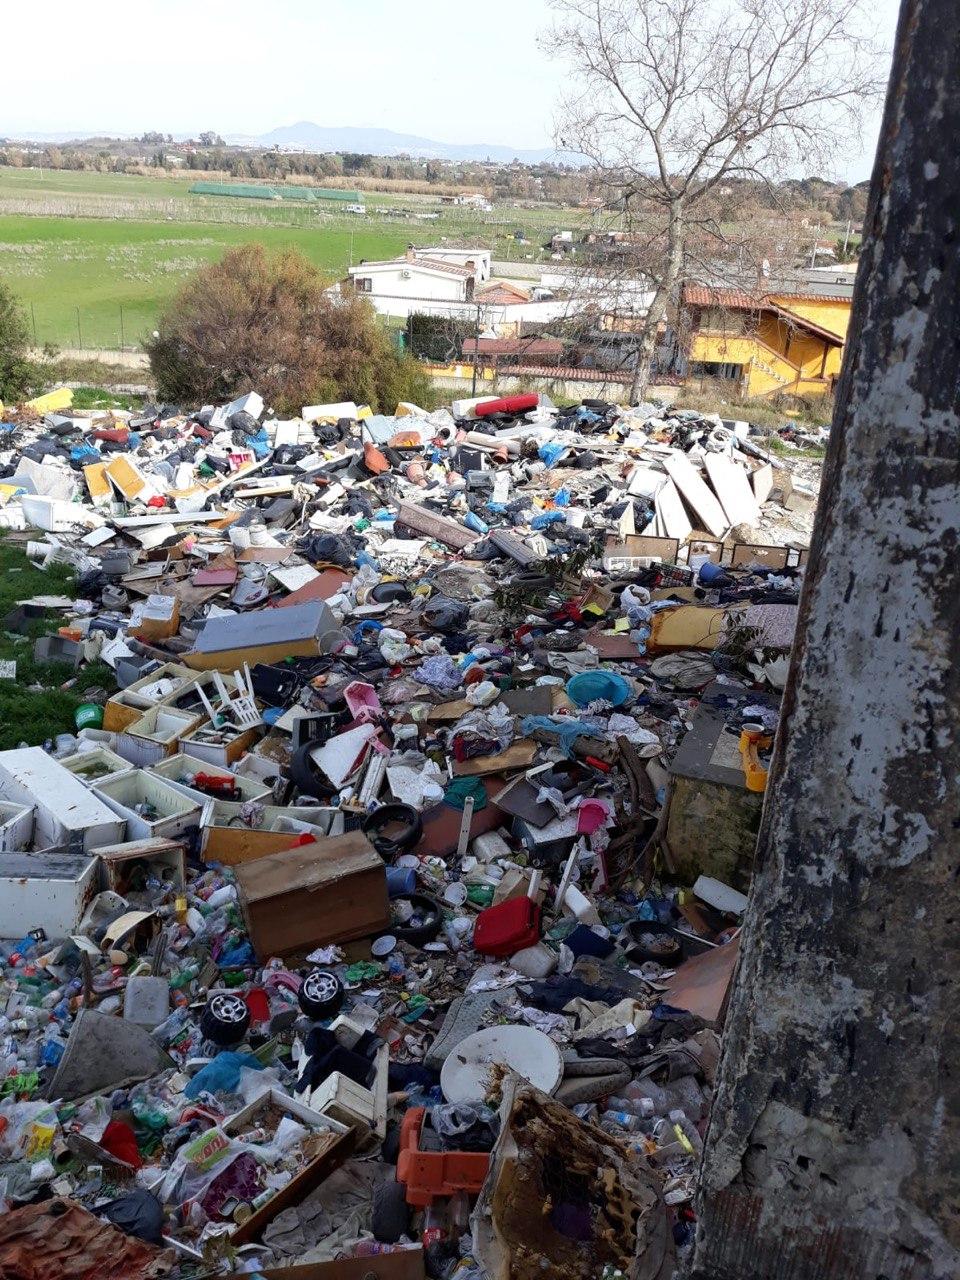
[{"x": 768, "y": 344}]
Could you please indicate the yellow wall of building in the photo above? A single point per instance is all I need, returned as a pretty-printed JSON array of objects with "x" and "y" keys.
[{"x": 827, "y": 313}]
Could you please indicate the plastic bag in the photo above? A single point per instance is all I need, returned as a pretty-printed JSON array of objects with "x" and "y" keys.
[{"x": 29, "y": 1131}]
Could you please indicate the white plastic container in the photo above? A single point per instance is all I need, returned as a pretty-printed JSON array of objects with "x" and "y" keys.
[{"x": 127, "y": 791}]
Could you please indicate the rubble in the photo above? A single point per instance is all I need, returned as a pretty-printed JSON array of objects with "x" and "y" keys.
[{"x": 404, "y": 865}]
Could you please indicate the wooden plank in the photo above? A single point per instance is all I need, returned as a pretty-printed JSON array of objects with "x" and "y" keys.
[
  {"x": 672, "y": 519},
  {"x": 732, "y": 487},
  {"x": 745, "y": 553},
  {"x": 694, "y": 489},
  {"x": 298, "y": 1188}
]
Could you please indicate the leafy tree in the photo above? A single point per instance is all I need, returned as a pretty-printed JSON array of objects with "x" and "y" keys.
[
  {"x": 15, "y": 368},
  {"x": 256, "y": 322}
]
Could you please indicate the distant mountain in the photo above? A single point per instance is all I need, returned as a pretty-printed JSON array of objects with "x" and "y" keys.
[{"x": 385, "y": 142}]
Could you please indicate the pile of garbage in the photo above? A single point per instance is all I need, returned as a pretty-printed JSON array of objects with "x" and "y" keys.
[{"x": 387, "y": 907}]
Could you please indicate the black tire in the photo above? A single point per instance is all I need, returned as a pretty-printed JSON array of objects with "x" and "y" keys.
[
  {"x": 225, "y": 1020},
  {"x": 391, "y": 1214},
  {"x": 404, "y": 825},
  {"x": 321, "y": 994},
  {"x": 305, "y": 775}
]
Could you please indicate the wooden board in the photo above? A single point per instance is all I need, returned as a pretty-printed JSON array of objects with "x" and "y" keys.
[
  {"x": 672, "y": 518},
  {"x": 235, "y": 845},
  {"x": 745, "y": 553},
  {"x": 298, "y": 1188},
  {"x": 687, "y": 627},
  {"x": 732, "y": 487},
  {"x": 694, "y": 489}
]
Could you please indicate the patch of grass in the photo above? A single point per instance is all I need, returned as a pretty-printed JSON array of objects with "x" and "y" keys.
[
  {"x": 774, "y": 444},
  {"x": 93, "y": 373},
  {"x": 103, "y": 398},
  {"x": 759, "y": 411},
  {"x": 40, "y": 702}
]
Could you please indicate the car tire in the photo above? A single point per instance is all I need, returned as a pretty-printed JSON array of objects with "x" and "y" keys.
[
  {"x": 320, "y": 995},
  {"x": 391, "y": 1214},
  {"x": 225, "y": 1020}
]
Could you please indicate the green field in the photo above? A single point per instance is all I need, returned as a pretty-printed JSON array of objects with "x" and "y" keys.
[
  {"x": 118, "y": 274},
  {"x": 114, "y": 247}
]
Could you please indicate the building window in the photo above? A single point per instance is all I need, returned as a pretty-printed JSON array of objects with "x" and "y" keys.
[{"x": 363, "y": 284}]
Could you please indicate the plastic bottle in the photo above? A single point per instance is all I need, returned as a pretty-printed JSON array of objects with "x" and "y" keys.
[
  {"x": 662, "y": 1102},
  {"x": 473, "y": 522},
  {"x": 643, "y": 1107},
  {"x": 623, "y": 1120},
  {"x": 680, "y": 1120},
  {"x": 434, "y": 1226}
]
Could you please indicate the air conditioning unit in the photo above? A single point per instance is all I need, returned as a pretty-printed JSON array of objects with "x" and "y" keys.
[{"x": 405, "y": 275}]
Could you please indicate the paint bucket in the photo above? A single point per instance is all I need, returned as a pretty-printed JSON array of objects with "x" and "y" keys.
[{"x": 88, "y": 716}]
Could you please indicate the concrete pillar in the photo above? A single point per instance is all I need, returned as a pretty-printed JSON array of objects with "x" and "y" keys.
[{"x": 834, "y": 1143}]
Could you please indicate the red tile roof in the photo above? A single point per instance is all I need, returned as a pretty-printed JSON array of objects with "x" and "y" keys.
[
  {"x": 699, "y": 295},
  {"x": 501, "y": 296}
]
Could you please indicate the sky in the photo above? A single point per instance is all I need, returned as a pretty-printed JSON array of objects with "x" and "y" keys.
[{"x": 442, "y": 69}]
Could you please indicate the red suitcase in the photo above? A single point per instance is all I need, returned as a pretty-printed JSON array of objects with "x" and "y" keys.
[{"x": 508, "y": 927}]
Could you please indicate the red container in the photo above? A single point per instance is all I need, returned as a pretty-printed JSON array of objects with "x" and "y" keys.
[
  {"x": 508, "y": 927},
  {"x": 508, "y": 404},
  {"x": 434, "y": 1175}
]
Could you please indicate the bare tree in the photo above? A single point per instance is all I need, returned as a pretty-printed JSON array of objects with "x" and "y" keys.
[{"x": 675, "y": 101}]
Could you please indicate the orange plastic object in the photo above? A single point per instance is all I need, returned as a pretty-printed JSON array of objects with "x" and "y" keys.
[
  {"x": 434, "y": 1175},
  {"x": 755, "y": 775}
]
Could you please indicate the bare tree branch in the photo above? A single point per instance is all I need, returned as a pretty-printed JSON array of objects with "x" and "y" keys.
[{"x": 674, "y": 100}]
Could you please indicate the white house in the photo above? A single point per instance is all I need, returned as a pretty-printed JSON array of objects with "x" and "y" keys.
[{"x": 412, "y": 283}]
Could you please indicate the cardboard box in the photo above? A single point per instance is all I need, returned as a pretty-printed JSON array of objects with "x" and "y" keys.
[
  {"x": 47, "y": 891},
  {"x": 67, "y": 814},
  {"x": 326, "y": 892},
  {"x": 156, "y": 618}
]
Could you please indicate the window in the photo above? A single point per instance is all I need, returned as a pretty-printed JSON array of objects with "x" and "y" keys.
[{"x": 363, "y": 284}]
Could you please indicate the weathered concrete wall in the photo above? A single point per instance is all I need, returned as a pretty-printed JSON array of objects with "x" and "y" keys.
[{"x": 834, "y": 1145}]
